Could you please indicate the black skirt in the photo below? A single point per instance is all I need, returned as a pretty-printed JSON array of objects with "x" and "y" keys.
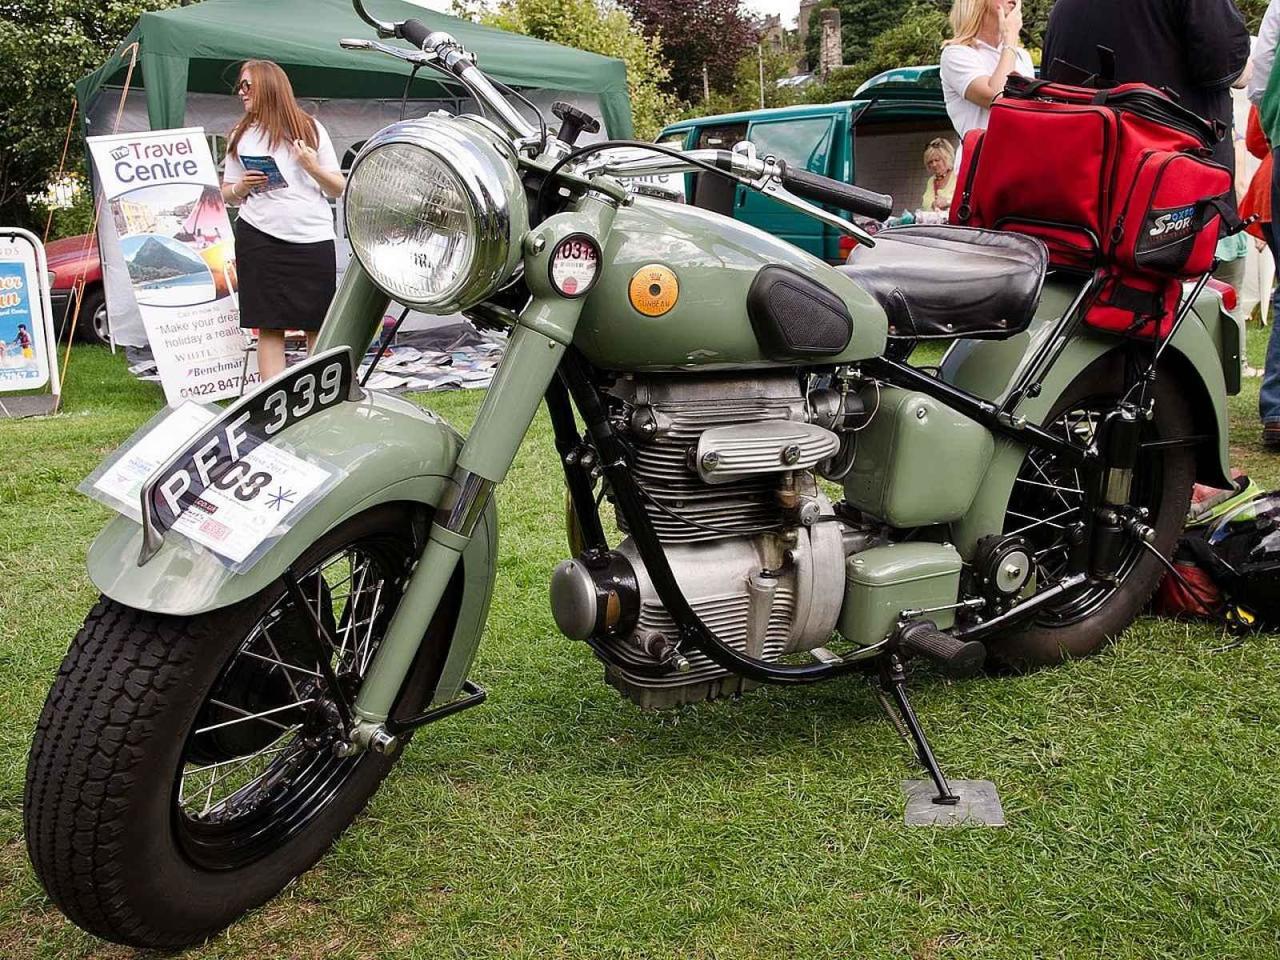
[{"x": 283, "y": 285}]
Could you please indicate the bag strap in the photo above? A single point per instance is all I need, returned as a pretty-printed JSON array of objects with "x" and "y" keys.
[
  {"x": 1222, "y": 572},
  {"x": 1106, "y": 75},
  {"x": 1141, "y": 303},
  {"x": 1231, "y": 221}
]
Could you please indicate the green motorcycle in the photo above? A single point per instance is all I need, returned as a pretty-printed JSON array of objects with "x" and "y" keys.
[{"x": 797, "y": 502}]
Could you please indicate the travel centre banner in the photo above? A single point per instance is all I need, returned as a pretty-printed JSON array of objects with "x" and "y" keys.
[{"x": 164, "y": 217}]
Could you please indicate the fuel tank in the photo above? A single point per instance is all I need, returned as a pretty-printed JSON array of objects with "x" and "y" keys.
[{"x": 672, "y": 295}]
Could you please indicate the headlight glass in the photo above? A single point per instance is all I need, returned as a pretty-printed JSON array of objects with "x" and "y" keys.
[{"x": 411, "y": 224}]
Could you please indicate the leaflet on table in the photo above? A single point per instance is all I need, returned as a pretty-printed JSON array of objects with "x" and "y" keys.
[{"x": 249, "y": 503}]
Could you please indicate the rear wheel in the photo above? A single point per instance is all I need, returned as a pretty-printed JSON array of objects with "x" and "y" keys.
[
  {"x": 183, "y": 770},
  {"x": 1049, "y": 500},
  {"x": 93, "y": 326}
]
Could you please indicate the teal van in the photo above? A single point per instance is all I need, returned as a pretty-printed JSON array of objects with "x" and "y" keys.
[{"x": 876, "y": 141}]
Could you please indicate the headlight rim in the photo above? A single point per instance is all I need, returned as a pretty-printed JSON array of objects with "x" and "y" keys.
[{"x": 484, "y": 168}]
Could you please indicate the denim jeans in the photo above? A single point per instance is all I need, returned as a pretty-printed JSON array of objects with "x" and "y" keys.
[{"x": 1269, "y": 398}]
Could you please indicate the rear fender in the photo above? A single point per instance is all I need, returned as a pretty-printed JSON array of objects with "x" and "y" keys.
[
  {"x": 989, "y": 369},
  {"x": 391, "y": 450}
]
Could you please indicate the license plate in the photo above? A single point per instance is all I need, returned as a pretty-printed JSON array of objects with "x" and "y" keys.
[{"x": 216, "y": 454}]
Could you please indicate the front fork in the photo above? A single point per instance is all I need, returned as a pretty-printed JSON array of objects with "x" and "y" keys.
[{"x": 543, "y": 333}]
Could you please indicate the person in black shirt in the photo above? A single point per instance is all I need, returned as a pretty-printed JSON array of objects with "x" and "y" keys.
[{"x": 1194, "y": 48}]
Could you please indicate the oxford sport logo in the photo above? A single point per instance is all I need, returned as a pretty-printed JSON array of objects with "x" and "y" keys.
[{"x": 1173, "y": 222}]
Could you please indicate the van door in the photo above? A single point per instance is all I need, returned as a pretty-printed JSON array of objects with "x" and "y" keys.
[{"x": 805, "y": 143}]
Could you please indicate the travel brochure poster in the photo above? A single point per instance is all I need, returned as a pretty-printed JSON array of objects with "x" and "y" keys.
[
  {"x": 24, "y": 363},
  {"x": 161, "y": 193}
]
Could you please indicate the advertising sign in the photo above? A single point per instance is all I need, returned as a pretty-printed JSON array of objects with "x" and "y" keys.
[
  {"x": 25, "y": 334},
  {"x": 169, "y": 224}
]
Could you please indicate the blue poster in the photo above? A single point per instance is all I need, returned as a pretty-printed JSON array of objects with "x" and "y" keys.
[{"x": 22, "y": 360}]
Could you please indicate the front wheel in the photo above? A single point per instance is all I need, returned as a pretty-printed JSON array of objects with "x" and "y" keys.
[
  {"x": 183, "y": 770},
  {"x": 1048, "y": 501}
]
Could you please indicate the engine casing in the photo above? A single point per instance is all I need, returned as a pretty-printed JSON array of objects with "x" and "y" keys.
[{"x": 759, "y": 557}]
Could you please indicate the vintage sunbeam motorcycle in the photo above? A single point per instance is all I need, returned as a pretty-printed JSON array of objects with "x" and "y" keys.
[{"x": 797, "y": 502}]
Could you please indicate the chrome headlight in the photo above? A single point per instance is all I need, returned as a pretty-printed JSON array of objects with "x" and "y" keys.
[{"x": 435, "y": 209}]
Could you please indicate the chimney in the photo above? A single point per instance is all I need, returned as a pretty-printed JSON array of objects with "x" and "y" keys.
[{"x": 830, "y": 55}]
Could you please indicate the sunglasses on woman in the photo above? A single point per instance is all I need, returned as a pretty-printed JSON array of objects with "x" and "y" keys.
[{"x": 244, "y": 86}]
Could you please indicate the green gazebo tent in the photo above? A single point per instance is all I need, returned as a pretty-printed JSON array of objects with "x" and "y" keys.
[{"x": 196, "y": 49}]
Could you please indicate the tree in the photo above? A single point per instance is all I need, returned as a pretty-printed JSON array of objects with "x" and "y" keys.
[
  {"x": 608, "y": 30},
  {"x": 861, "y": 21},
  {"x": 917, "y": 39},
  {"x": 711, "y": 33},
  {"x": 745, "y": 92},
  {"x": 45, "y": 46}
]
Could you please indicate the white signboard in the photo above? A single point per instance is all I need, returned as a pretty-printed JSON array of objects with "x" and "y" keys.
[
  {"x": 672, "y": 182},
  {"x": 27, "y": 344},
  {"x": 169, "y": 225}
]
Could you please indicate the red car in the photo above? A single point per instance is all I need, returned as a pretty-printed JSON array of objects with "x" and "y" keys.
[{"x": 71, "y": 259}]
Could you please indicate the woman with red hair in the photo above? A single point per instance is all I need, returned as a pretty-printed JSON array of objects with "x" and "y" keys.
[{"x": 281, "y": 169}]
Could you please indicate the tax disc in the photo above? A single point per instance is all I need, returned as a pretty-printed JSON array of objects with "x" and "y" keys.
[{"x": 575, "y": 264}]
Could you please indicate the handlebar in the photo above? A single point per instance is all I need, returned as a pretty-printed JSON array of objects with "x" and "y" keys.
[
  {"x": 415, "y": 31},
  {"x": 820, "y": 189}
]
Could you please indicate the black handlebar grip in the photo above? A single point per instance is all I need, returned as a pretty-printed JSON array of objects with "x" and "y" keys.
[
  {"x": 820, "y": 189},
  {"x": 415, "y": 31},
  {"x": 961, "y": 658}
]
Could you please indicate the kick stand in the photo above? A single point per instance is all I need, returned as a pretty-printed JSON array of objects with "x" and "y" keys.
[{"x": 893, "y": 680}]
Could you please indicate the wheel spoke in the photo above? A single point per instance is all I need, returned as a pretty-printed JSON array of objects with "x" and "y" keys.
[
  {"x": 1037, "y": 522},
  {"x": 262, "y": 717},
  {"x": 243, "y": 766}
]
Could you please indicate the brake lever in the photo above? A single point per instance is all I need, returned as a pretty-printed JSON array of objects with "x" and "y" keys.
[
  {"x": 421, "y": 58},
  {"x": 770, "y": 184}
]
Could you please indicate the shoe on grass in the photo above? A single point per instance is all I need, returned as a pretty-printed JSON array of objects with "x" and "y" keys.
[{"x": 1271, "y": 436}]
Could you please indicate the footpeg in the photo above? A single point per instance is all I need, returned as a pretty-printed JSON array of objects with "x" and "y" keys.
[{"x": 960, "y": 658}]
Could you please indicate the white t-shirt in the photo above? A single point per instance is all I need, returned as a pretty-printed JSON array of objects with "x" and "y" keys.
[
  {"x": 961, "y": 65},
  {"x": 299, "y": 212}
]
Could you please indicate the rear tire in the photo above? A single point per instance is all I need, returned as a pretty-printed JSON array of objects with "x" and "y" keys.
[
  {"x": 111, "y": 837},
  {"x": 1162, "y": 482},
  {"x": 93, "y": 324}
]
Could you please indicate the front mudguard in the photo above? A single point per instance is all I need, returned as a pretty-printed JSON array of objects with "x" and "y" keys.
[
  {"x": 391, "y": 451},
  {"x": 1198, "y": 359}
]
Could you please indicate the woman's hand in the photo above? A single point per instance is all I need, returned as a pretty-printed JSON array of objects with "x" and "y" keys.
[
  {"x": 1011, "y": 23},
  {"x": 331, "y": 182},
  {"x": 238, "y": 191},
  {"x": 308, "y": 159}
]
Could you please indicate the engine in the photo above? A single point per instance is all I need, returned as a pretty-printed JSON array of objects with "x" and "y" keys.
[{"x": 727, "y": 466}]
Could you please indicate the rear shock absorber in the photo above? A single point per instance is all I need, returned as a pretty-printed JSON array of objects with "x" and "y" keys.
[{"x": 1118, "y": 441}]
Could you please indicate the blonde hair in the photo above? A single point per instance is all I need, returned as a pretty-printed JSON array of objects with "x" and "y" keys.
[
  {"x": 941, "y": 147},
  {"x": 966, "y": 20}
]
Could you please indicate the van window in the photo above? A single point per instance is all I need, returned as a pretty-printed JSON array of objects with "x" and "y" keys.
[
  {"x": 674, "y": 139},
  {"x": 804, "y": 143},
  {"x": 722, "y": 137}
]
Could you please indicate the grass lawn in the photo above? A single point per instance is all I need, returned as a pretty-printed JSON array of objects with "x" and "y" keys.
[{"x": 559, "y": 821}]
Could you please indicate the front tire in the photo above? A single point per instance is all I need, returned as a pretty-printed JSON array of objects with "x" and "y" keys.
[
  {"x": 1040, "y": 509},
  {"x": 155, "y": 812}
]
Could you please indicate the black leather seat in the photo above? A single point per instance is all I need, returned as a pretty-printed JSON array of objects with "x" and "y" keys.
[{"x": 937, "y": 282}]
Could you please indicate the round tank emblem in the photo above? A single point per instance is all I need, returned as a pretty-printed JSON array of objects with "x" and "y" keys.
[{"x": 654, "y": 289}]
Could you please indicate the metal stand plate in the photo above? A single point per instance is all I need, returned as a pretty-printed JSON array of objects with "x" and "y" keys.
[
  {"x": 978, "y": 806},
  {"x": 37, "y": 405}
]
